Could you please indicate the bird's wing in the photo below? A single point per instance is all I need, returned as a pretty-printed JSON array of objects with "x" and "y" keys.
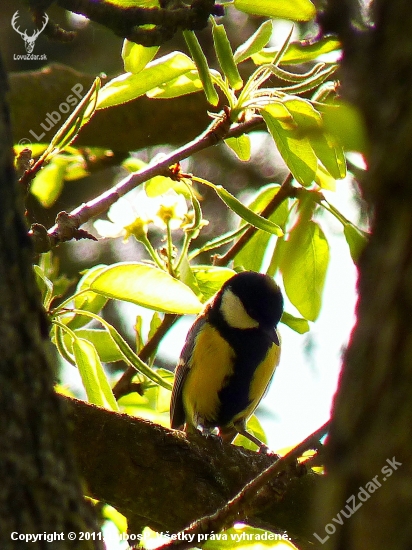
[{"x": 177, "y": 412}]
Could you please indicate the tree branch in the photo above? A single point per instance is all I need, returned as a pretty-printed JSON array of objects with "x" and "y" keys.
[
  {"x": 34, "y": 94},
  {"x": 132, "y": 463},
  {"x": 126, "y": 22},
  {"x": 218, "y": 130},
  {"x": 252, "y": 497}
]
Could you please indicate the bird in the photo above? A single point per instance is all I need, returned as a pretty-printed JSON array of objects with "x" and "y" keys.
[{"x": 228, "y": 359}]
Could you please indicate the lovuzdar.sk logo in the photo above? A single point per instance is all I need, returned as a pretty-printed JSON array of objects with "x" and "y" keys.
[{"x": 29, "y": 41}]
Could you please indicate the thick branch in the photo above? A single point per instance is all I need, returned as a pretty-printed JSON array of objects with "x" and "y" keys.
[
  {"x": 34, "y": 94},
  {"x": 132, "y": 463},
  {"x": 126, "y": 21}
]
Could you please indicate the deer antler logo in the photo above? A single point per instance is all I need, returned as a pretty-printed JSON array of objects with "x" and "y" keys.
[{"x": 29, "y": 41}]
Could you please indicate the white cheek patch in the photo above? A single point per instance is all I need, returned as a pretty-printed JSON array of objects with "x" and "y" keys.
[{"x": 234, "y": 313}]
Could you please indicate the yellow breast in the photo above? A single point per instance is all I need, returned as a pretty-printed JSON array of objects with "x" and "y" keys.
[{"x": 211, "y": 363}]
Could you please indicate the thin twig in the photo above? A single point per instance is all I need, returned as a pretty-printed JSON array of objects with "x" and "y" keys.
[
  {"x": 243, "y": 503},
  {"x": 217, "y": 131}
]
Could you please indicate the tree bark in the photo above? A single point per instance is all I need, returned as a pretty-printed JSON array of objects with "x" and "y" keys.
[
  {"x": 372, "y": 414},
  {"x": 40, "y": 490},
  {"x": 132, "y": 126},
  {"x": 132, "y": 464}
]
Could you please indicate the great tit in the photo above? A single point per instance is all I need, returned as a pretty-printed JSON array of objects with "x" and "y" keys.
[{"x": 229, "y": 357}]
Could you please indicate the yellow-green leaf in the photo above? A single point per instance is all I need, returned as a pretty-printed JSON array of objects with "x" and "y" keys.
[
  {"x": 45, "y": 285},
  {"x": 356, "y": 240},
  {"x": 252, "y": 254},
  {"x": 345, "y": 123},
  {"x": 136, "y": 57},
  {"x": 225, "y": 56},
  {"x": 330, "y": 153},
  {"x": 245, "y": 213},
  {"x": 295, "y": 10},
  {"x": 94, "y": 379},
  {"x": 304, "y": 261},
  {"x": 298, "y": 52},
  {"x": 255, "y": 43},
  {"x": 104, "y": 344},
  {"x": 295, "y": 323},
  {"x": 49, "y": 182},
  {"x": 85, "y": 299},
  {"x": 146, "y": 286},
  {"x": 80, "y": 116},
  {"x": 202, "y": 66},
  {"x": 211, "y": 278},
  {"x": 129, "y": 86},
  {"x": 184, "y": 84},
  {"x": 295, "y": 149},
  {"x": 240, "y": 146}
]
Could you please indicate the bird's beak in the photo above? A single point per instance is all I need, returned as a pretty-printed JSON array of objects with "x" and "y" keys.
[{"x": 273, "y": 335}]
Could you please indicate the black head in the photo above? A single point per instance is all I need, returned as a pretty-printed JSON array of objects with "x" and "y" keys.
[{"x": 260, "y": 296}]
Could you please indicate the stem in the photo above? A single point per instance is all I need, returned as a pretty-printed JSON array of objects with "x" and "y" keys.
[
  {"x": 152, "y": 252},
  {"x": 169, "y": 249}
]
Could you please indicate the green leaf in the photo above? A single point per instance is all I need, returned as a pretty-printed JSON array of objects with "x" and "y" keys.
[
  {"x": 304, "y": 261},
  {"x": 304, "y": 114},
  {"x": 210, "y": 278},
  {"x": 296, "y": 150},
  {"x": 187, "y": 277},
  {"x": 297, "y": 324},
  {"x": 129, "y": 86},
  {"x": 86, "y": 300},
  {"x": 345, "y": 123},
  {"x": 245, "y": 213},
  {"x": 80, "y": 116},
  {"x": 93, "y": 376},
  {"x": 299, "y": 52},
  {"x": 136, "y": 57},
  {"x": 251, "y": 256},
  {"x": 45, "y": 285},
  {"x": 129, "y": 356},
  {"x": 324, "y": 179},
  {"x": 255, "y": 43},
  {"x": 49, "y": 182},
  {"x": 356, "y": 240},
  {"x": 240, "y": 146},
  {"x": 161, "y": 184},
  {"x": 146, "y": 286},
  {"x": 244, "y": 537},
  {"x": 225, "y": 56},
  {"x": 310, "y": 123},
  {"x": 104, "y": 344},
  {"x": 202, "y": 66},
  {"x": 295, "y": 10},
  {"x": 330, "y": 153},
  {"x": 136, "y": 3},
  {"x": 184, "y": 84},
  {"x": 155, "y": 323},
  {"x": 76, "y": 166}
]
